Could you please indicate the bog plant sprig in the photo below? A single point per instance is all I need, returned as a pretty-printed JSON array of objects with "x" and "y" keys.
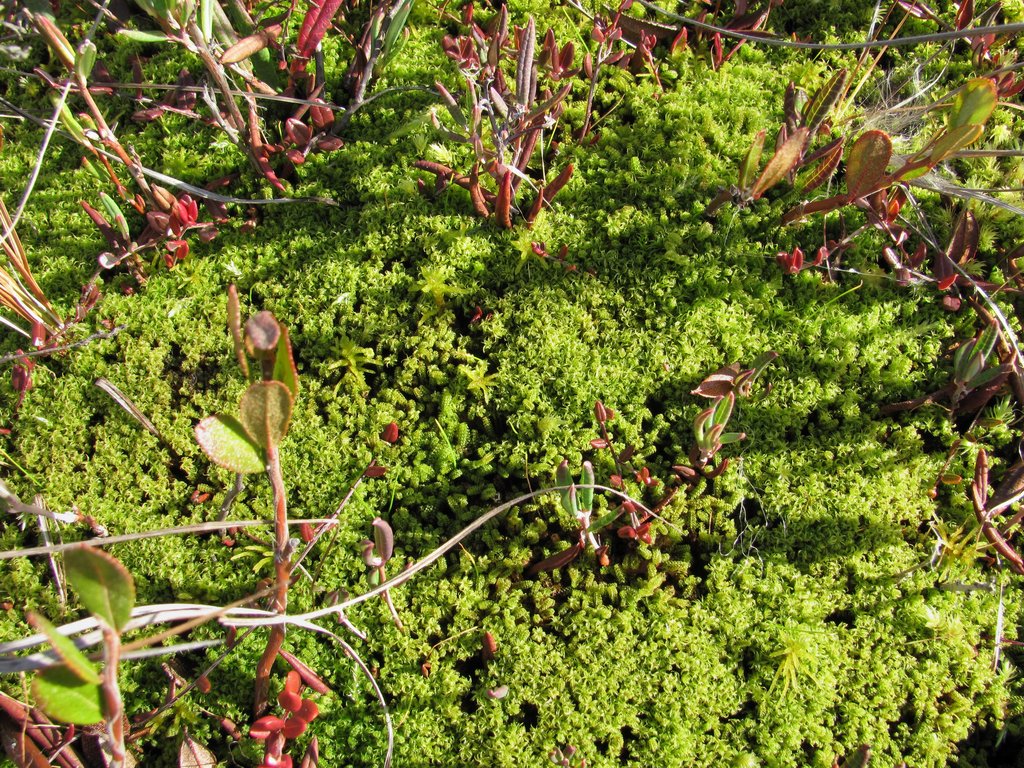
[
  {"x": 977, "y": 377},
  {"x": 376, "y": 554},
  {"x": 722, "y": 387},
  {"x": 19, "y": 291},
  {"x": 74, "y": 690},
  {"x": 250, "y": 442},
  {"x": 503, "y": 121}
]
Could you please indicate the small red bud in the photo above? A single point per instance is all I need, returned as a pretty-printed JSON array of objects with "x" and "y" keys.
[
  {"x": 390, "y": 433},
  {"x": 203, "y": 684},
  {"x": 229, "y": 727},
  {"x": 490, "y": 647}
]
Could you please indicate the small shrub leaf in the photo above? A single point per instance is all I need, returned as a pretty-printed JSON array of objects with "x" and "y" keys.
[
  {"x": 104, "y": 586},
  {"x": 235, "y": 327},
  {"x": 384, "y": 538},
  {"x": 751, "y": 161},
  {"x": 225, "y": 441},
  {"x": 826, "y": 167},
  {"x": 974, "y": 104},
  {"x": 866, "y": 164},
  {"x": 782, "y": 162},
  {"x": 66, "y": 697},
  {"x": 718, "y": 384},
  {"x": 284, "y": 364},
  {"x": 73, "y": 658},
  {"x": 262, "y": 332},
  {"x": 823, "y": 100},
  {"x": 950, "y": 142},
  {"x": 144, "y": 36},
  {"x": 266, "y": 409},
  {"x": 586, "y": 497}
]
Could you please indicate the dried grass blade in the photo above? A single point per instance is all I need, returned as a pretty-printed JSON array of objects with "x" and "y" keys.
[{"x": 125, "y": 402}]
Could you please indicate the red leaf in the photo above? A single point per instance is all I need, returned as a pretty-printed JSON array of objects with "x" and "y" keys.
[
  {"x": 719, "y": 383},
  {"x": 294, "y": 727},
  {"x": 556, "y": 561},
  {"x": 865, "y": 167},
  {"x": 297, "y": 132},
  {"x": 308, "y": 676},
  {"x": 315, "y": 25},
  {"x": 560, "y": 181},
  {"x": 289, "y": 700},
  {"x": 308, "y": 711},
  {"x": 490, "y": 647},
  {"x": 503, "y": 205},
  {"x": 265, "y": 727},
  {"x": 965, "y": 14},
  {"x": 330, "y": 144}
]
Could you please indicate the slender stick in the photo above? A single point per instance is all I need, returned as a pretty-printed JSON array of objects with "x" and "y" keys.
[
  {"x": 112, "y": 704},
  {"x": 283, "y": 572}
]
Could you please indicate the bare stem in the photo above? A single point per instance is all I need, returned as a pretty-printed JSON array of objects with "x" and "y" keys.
[
  {"x": 283, "y": 573},
  {"x": 109, "y": 139},
  {"x": 386, "y": 596},
  {"x": 112, "y": 704}
]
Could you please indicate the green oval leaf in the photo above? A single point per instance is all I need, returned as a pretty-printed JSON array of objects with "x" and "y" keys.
[
  {"x": 73, "y": 658},
  {"x": 587, "y": 493},
  {"x": 751, "y": 161},
  {"x": 974, "y": 104},
  {"x": 266, "y": 408},
  {"x": 225, "y": 441},
  {"x": 66, "y": 697},
  {"x": 949, "y": 142},
  {"x": 104, "y": 586}
]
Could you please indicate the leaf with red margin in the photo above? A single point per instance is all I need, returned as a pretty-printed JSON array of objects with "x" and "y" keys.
[{"x": 866, "y": 164}]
